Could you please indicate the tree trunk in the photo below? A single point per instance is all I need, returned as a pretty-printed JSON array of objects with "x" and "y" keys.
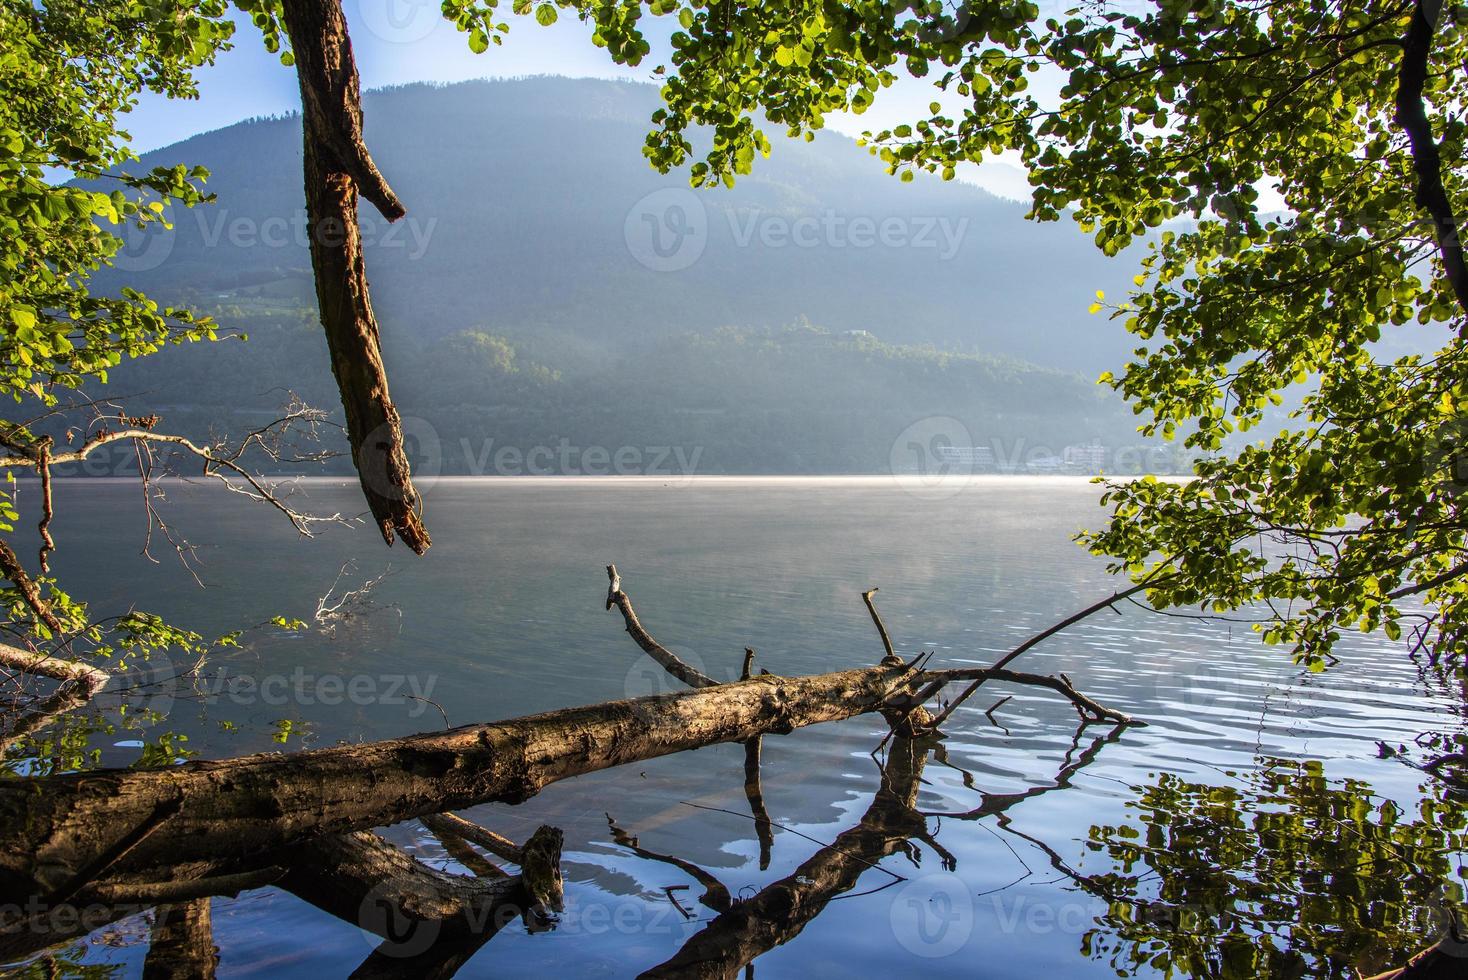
[
  {"x": 338, "y": 168},
  {"x": 58, "y": 833}
]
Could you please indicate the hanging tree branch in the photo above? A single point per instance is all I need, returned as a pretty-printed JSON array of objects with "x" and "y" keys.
[{"x": 337, "y": 169}]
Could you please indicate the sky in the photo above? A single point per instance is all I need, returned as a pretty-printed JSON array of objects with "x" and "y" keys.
[{"x": 400, "y": 41}]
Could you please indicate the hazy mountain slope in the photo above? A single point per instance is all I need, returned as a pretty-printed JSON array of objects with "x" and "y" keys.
[{"x": 528, "y": 215}]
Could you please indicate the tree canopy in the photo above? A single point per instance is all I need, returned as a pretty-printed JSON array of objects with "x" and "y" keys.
[{"x": 1161, "y": 124}]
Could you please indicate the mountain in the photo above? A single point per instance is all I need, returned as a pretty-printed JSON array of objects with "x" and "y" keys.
[
  {"x": 548, "y": 289},
  {"x": 532, "y": 212}
]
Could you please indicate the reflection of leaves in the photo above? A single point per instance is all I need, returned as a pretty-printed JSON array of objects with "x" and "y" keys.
[
  {"x": 1288, "y": 876},
  {"x": 66, "y": 962}
]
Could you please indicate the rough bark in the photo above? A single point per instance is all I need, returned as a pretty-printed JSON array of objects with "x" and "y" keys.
[
  {"x": 89, "y": 679},
  {"x": 12, "y": 569},
  {"x": 57, "y": 830},
  {"x": 338, "y": 168}
]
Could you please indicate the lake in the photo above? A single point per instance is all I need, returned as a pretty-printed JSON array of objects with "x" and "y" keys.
[{"x": 1256, "y": 803}]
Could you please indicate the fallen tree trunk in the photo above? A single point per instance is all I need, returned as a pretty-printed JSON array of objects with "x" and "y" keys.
[
  {"x": 74, "y": 838},
  {"x": 59, "y": 832}
]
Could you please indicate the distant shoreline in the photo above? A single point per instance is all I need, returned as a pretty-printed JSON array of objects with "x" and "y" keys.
[{"x": 906, "y": 482}]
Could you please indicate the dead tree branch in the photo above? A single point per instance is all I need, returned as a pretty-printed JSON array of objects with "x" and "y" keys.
[
  {"x": 13, "y": 570},
  {"x": 877, "y": 620},
  {"x": 338, "y": 168},
  {"x": 665, "y": 658},
  {"x": 89, "y": 679},
  {"x": 1038, "y": 638}
]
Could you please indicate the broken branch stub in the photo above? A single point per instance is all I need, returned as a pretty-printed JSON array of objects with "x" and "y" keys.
[{"x": 337, "y": 169}]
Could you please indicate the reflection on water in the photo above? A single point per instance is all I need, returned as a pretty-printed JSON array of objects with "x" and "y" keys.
[
  {"x": 1281, "y": 874},
  {"x": 1249, "y": 795}
]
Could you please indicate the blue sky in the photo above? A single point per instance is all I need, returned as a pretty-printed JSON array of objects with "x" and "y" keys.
[{"x": 398, "y": 41}]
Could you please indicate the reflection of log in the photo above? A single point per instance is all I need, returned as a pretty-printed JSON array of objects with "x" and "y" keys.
[
  {"x": 763, "y": 826},
  {"x": 500, "y": 847},
  {"x": 781, "y": 910},
  {"x": 431, "y": 922},
  {"x": 182, "y": 944},
  {"x": 79, "y": 684},
  {"x": 338, "y": 168},
  {"x": 458, "y": 848},
  {"x": 715, "y": 895},
  {"x": 1448, "y": 960}
]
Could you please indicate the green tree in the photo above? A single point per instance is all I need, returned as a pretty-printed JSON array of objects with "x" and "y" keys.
[{"x": 69, "y": 71}]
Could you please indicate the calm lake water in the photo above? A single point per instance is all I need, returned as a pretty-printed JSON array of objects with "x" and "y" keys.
[{"x": 505, "y": 617}]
